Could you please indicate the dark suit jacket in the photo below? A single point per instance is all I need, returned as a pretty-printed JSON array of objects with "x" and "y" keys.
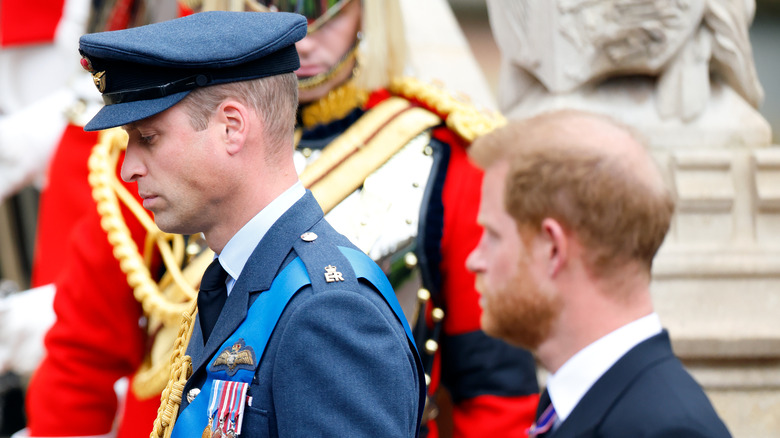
[
  {"x": 647, "y": 393},
  {"x": 338, "y": 363}
]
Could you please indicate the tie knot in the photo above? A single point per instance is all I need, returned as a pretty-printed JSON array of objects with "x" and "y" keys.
[{"x": 214, "y": 277}]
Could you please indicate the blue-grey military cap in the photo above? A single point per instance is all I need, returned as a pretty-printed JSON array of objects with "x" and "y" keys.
[{"x": 145, "y": 70}]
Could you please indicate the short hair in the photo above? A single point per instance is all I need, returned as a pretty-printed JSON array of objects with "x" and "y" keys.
[
  {"x": 273, "y": 98},
  {"x": 618, "y": 204}
]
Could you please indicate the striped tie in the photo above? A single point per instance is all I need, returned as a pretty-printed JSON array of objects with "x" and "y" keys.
[{"x": 545, "y": 421}]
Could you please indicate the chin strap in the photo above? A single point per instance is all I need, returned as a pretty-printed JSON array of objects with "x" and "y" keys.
[{"x": 322, "y": 78}]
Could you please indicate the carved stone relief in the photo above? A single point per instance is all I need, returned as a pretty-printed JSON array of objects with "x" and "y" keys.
[{"x": 568, "y": 46}]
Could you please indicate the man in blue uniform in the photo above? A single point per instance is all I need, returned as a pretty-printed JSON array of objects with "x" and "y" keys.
[{"x": 297, "y": 332}]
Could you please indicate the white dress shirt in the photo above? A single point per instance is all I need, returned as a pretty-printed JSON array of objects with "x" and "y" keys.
[
  {"x": 238, "y": 249},
  {"x": 570, "y": 383}
]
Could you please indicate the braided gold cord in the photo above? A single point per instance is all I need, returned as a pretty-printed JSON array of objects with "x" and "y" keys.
[
  {"x": 463, "y": 118},
  {"x": 181, "y": 370},
  {"x": 105, "y": 190}
]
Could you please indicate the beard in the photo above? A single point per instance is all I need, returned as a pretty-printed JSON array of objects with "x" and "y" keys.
[{"x": 521, "y": 313}]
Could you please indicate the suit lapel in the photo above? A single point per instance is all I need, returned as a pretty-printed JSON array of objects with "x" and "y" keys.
[
  {"x": 258, "y": 274},
  {"x": 600, "y": 398}
]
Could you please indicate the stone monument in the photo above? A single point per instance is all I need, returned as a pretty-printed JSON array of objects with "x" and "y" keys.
[{"x": 681, "y": 73}]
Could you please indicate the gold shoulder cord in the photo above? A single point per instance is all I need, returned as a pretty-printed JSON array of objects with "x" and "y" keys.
[
  {"x": 462, "y": 117},
  {"x": 172, "y": 302}
]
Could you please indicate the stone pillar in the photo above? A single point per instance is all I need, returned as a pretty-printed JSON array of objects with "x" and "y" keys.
[{"x": 680, "y": 73}]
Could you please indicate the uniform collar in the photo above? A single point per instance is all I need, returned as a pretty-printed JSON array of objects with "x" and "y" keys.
[{"x": 238, "y": 249}]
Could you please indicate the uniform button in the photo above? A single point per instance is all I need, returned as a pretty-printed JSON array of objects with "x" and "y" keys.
[{"x": 192, "y": 394}]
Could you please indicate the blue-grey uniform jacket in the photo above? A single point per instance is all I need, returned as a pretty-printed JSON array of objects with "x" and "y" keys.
[{"x": 338, "y": 363}]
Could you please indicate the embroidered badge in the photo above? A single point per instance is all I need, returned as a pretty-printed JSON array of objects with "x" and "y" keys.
[
  {"x": 331, "y": 274},
  {"x": 239, "y": 356}
]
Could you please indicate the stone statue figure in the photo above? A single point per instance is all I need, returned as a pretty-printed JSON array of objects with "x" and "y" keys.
[{"x": 677, "y": 53}]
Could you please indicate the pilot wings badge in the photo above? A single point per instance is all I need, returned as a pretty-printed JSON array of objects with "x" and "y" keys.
[{"x": 231, "y": 359}]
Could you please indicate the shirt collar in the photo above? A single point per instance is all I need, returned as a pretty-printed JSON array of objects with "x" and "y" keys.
[
  {"x": 238, "y": 249},
  {"x": 570, "y": 383}
]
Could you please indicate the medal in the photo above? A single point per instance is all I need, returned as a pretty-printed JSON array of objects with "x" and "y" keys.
[
  {"x": 226, "y": 409},
  {"x": 207, "y": 430}
]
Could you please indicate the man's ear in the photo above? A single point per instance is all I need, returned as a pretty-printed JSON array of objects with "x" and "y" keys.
[
  {"x": 555, "y": 245},
  {"x": 234, "y": 118}
]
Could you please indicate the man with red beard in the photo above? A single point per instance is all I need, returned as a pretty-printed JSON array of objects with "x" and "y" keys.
[{"x": 574, "y": 210}]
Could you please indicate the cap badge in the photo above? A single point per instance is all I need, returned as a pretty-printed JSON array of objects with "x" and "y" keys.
[
  {"x": 332, "y": 275},
  {"x": 231, "y": 359},
  {"x": 99, "y": 78}
]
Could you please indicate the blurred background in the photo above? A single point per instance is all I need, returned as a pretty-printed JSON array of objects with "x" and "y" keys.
[{"x": 18, "y": 213}]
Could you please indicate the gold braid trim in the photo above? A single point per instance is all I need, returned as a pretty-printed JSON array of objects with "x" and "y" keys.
[
  {"x": 463, "y": 118},
  {"x": 335, "y": 105},
  {"x": 181, "y": 370}
]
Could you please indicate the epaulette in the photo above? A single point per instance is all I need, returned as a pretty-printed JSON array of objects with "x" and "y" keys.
[
  {"x": 324, "y": 263},
  {"x": 463, "y": 118}
]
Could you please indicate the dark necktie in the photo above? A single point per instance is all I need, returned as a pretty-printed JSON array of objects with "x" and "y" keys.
[
  {"x": 211, "y": 297},
  {"x": 545, "y": 417}
]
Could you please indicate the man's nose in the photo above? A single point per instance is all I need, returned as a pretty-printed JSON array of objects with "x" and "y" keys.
[
  {"x": 132, "y": 167},
  {"x": 305, "y": 46},
  {"x": 473, "y": 260}
]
